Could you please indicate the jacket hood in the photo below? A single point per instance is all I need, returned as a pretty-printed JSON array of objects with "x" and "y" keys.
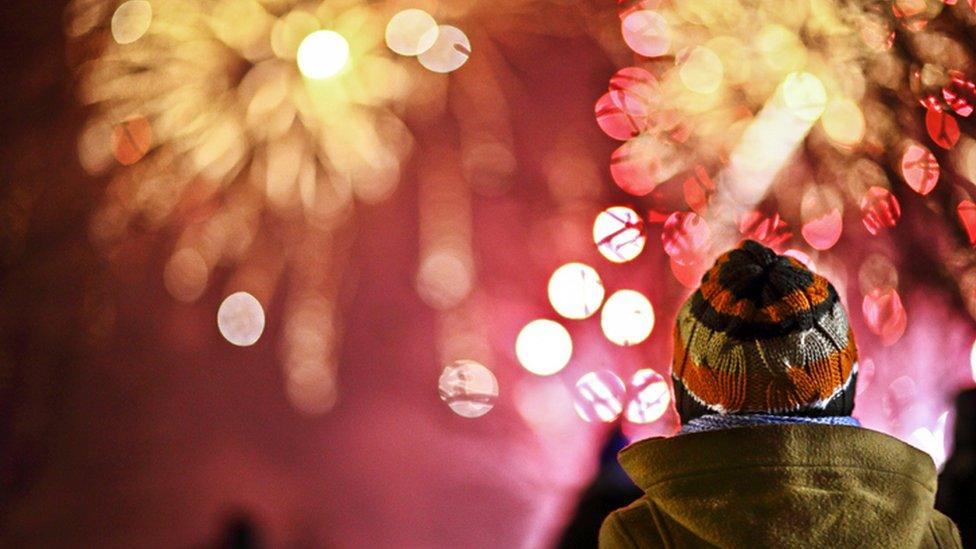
[{"x": 786, "y": 485}]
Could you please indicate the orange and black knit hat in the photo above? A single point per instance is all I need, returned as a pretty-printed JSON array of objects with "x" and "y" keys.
[{"x": 763, "y": 334}]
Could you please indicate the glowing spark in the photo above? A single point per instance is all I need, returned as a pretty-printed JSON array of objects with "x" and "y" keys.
[
  {"x": 322, "y": 54},
  {"x": 240, "y": 319},
  {"x": 627, "y": 318},
  {"x": 575, "y": 291},
  {"x": 411, "y": 32},
  {"x": 451, "y": 50},
  {"x": 131, "y": 21},
  {"x": 599, "y": 397},
  {"x": 543, "y": 347},
  {"x": 468, "y": 388}
]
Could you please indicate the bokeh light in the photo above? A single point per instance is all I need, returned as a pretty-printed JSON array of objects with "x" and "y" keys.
[
  {"x": 543, "y": 347},
  {"x": 312, "y": 391},
  {"x": 646, "y": 32},
  {"x": 821, "y": 210},
  {"x": 884, "y": 314},
  {"x": 942, "y": 127},
  {"x": 411, "y": 32},
  {"x": 240, "y": 319},
  {"x": 444, "y": 278},
  {"x": 689, "y": 275},
  {"x": 615, "y": 121},
  {"x": 627, "y": 318},
  {"x": 865, "y": 375},
  {"x": 641, "y": 164},
  {"x": 685, "y": 237},
  {"x": 449, "y": 52},
  {"x": 701, "y": 70},
  {"x": 599, "y": 396},
  {"x": 698, "y": 190},
  {"x": 920, "y": 168},
  {"x": 879, "y": 209},
  {"x": 634, "y": 91},
  {"x": 649, "y": 396},
  {"x": 131, "y": 140},
  {"x": 619, "y": 234},
  {"x": 899, "y": 395},
  {"x": 972, "y": 361},
  {"x": 876, "y": 271},
  {"x": 960, "y": 93},
  {"x": 843, "y": 122},
  {"x": 185, "y": 275},
  {"x": 966, "y": 210},
  {"x": 779, "y": 48},
  {"x": 322, "y": 54},
  {"x": 804, "y": 95},
  {"x": 770, "y": 230},
  {"x": 469, "y": 388},
  {"x": 131, "y": 20},
  {"x": 575, "y": 291}
]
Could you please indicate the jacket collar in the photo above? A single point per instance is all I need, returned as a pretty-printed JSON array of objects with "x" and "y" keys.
[{"x": 651, "y": 461}]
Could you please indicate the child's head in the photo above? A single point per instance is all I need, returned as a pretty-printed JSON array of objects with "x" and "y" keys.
[{"x": 763, "y": 334}]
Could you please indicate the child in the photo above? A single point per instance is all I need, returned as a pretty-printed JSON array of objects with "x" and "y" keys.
[{"x": 764, "y": 373}]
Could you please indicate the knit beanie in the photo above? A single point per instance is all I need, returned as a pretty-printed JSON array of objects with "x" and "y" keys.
[{"x": 763, "y": 334}]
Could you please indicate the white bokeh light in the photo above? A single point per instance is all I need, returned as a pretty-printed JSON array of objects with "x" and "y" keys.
[
  {"x": 131, "y": 20},
  {"x": 322, "y": 54},
  {"x": 627, "y": 318},
  {"x": 451, "y": 49},
  {"x": 972, "y": 361},
  {"x": 543, "y": 347},
  {"x": 468, "y": 388},
  {"x": 575, "y": 291},
  {"x": 650, "y": 397},
  {"x": 804, "y": 95},
  {"x": 240, "y": 319},
  {"x": 411, "y": 32},
  {"x": 619, "y": 234},
  {"x": 599, "y": 396}
]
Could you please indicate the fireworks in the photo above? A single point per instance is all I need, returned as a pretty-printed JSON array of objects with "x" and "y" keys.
[
  {"x": 759, "y": 109},
  {"x": 242, "y": 124}
]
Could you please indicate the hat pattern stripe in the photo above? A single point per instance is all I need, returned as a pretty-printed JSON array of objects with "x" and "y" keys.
[
  {"x": 724, "y": 302},
  {"x": 793, "y": 348},
  {"x": 746, "y": 328},
  {"x": 795, "y": 389}
]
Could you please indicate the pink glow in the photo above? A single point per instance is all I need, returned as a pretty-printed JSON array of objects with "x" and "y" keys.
[
  {"x": 885, "y": 314},
  {"x": 920, "y": 169},
  {"x": 685, "y": 237},
  {"x": 824, "y": 231}
]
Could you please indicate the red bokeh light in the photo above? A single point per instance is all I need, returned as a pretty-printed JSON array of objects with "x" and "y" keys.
[
  {"x": 879, "y": 209},
  {"x": 920, "y": 169},
  {"x": 635, "y": 91},
  {"x": 771, "y": 231},
  {"x": 885, "y": 315},
  {"x": 615, "y": 122},
  {"x": 967, "y": 216},
  {"x": 942, "y": 127},
  {"x": 685, "y": 237}
]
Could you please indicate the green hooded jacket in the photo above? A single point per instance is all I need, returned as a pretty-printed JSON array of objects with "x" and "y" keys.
[{"x": 796, "y": 485}]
